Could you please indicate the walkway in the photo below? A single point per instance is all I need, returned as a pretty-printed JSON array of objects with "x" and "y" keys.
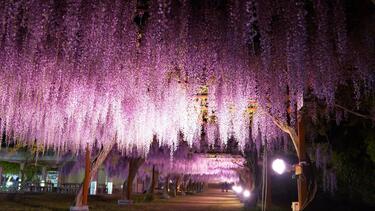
[{"x": 210, "y": 200}]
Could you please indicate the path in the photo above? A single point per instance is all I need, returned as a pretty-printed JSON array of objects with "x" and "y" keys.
[{"x": 211, "y": 199}]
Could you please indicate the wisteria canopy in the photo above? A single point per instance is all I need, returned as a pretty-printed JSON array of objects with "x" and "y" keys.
[{"x": 84, "y": 71}]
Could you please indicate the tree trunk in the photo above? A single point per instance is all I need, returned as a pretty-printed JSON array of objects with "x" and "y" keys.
[
  {"x": 166, "y": 184},
  {"x": 154, "y": 179},
  {"x": 269, "y": 185},
  {"x": 129, "y": 187},
  {"x": 176, "y": 187},
  {"x": 134, "y": 164},
  {"x": 81, "y": 198},
  {"x": 86, "y": 181},
  {"x": 188, "y": 188}
]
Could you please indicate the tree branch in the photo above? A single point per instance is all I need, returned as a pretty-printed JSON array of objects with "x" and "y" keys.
[
  {"x": 286, "y": 128},
  {"x": 355, "y": 113}
]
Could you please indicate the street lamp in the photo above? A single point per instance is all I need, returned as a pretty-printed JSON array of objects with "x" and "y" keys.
[
  {"x": 246, "y": 194},
  {"x": 279, "y": 166}
]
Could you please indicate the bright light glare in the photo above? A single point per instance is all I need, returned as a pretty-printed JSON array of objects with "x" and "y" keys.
[
  {"x": 8, "y": 183},
  {"x": 246, "y": 194},
  {"x": 237, "y": 188},
  {"x": 279, "y": 166},
  {"x": 109, "y": 187}
]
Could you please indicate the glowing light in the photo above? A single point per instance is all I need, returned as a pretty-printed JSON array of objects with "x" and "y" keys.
[
  {"x": 93, "y": 187},
  {"x": 246, "y": 194},
  {"x": 278, "y": 166},
  {"x": 238, "y": 189},
  {"x": 8, "y": 184},
  {"x": 109, "y": 187}
]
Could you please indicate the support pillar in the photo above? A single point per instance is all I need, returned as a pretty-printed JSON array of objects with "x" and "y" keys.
[
  {"x": 302, "y": 185},
  {"x": 86, "y": 182},
  {"x": 81, "y": 200},
  {"x": 299, "y": 171}
]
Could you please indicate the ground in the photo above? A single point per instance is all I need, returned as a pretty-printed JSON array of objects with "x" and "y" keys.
[{"x": 210, "y": 200}]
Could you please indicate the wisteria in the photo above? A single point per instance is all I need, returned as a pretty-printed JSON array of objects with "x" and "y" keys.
[
  {"x": 74, "y": 72},
  {"x": 323, "y": 161}
]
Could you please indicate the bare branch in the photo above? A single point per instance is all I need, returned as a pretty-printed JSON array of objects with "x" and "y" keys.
[{"x": 355, "y": 113}]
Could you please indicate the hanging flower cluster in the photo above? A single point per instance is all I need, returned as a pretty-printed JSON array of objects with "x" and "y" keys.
[{"x": 74, "y": 72}]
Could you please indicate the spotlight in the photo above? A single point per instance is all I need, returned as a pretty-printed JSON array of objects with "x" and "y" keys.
[
  {"x": 278, "y": 166},
  {"x": 246, "y": 194}
]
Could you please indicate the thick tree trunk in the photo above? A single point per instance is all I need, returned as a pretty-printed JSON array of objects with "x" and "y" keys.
[
  {"x": 81, "y": 198},
  {"x": 134, "y": 164},
  {"x": 129, "y": 187}
]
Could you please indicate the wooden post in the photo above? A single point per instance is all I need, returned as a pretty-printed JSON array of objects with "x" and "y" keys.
[
  {"x": 86, "y": 182},
  {"x": 302, "y": 185}
]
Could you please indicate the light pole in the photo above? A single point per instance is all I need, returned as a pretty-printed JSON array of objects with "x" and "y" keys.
[{"x": 280, "y": 167}]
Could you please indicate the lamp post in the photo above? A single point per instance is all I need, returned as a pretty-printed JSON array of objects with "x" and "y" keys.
[
  {"x": 280, "y": 167},
  {"x": 301, "y": 182}
]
